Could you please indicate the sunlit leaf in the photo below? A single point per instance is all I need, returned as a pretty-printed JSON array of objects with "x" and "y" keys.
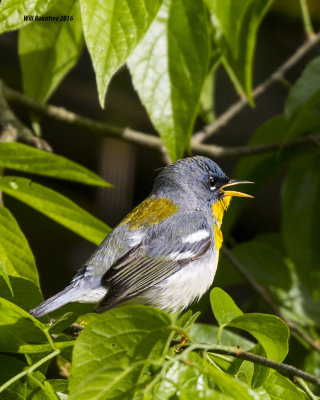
[
  {"x": 223, "y": 307},
  {"x": 236, "y": 24},
  {"x": 112, "y": 30},
  {"x": 20, "y": 157},
  {"x": 168, "y": 69},
  {"x": 3, "y": 273},
  {"x": 55, "y": 206},
  {"x": 14, "y": 13},
  {"x": 112, "y": 352},
  {"x": 48, "y": 50},
  {"x": 270, "y": 331}
]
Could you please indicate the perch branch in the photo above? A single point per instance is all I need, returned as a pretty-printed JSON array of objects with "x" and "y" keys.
[
  {"x": 232, "y": 111},
  {"x": 102, "y": 129},
  {"x": 284, "y": 369}
]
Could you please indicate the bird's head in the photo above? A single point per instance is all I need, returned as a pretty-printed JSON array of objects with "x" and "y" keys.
[{"x": 197, "y": 182}]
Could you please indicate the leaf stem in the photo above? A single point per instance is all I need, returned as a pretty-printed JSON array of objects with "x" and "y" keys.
[
  {"x": 29, "y": 370},
  {"x": 306, "y": 19},
  {"x": 306, "y": 388}
]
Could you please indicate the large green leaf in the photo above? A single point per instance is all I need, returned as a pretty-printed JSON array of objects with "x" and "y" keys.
[
  {"x": 304, "y": 88},
  {"x": 223, "y": 306},
  {"x": 168, "y": 70},
  {"x": 270, "y": 331},
  {"x": 48, "y": 50},
  {"x": 236, "y": 24},
  {"x": 301, "y": 217},
  {"x": 15, "y": 252},
  {"x": 26, "y": 158},
  {"x": 55, "y": 206},
  {"x": 281, "y": 388},
  {"x": 229, "y": 385},
  {"x": 184, "y": 381},
  {"x": 264, "y": 263},
  {"x": 113, "y": 351},
  {"x": 259, "y": 168},
  {"x": 13, "y": 13},
  {"x": 27, "y": 294},
  {"x": 204, "y": 333},
  {"x": 3, "y": 273},
  {"x": 18, "y": 328},
  {"x": 112, "y": 30}
]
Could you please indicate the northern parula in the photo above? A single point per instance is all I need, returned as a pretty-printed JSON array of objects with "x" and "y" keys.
[{"x": 165, "y": 252}]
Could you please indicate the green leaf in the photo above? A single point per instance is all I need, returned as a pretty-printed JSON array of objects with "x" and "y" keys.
[
  {"x": 18, "y": 328},
  {"x": 236, "y": 24},
  {"x": 259, "y": 168},
  {"x": 248, "y": 372},
  {"x": 27, "y": 294},
  {"x": 168, "y": 70},
  {"x": 48, "y": 50},
  {"x": 63, "y": 322},
  {"x": 55, "y": 206},
  {"x": 3, "y": 273},
  {"x": 184, "y": 381},
  {"x": 304, "y": 88},
  {"x": 112, "y": 30},
  {"x": 229, "y": 385},
  {"x": 270, "y": 331},
  {"x": 264, "y": 263},
  {"x": 20, "y": 157},
  {"x": 15, "y": 252},
  {"x": 281, "y": 388},
  {"x": 204, "y": 333},
  {"x": 12, "y": 12},
  {"x": 223, "y": 307},
  {"x": 301, "y": 217},
  {"x": 35, "y": 387},
  {"x": 110, "y": 357},
  {"x": 9, "y": 367}
]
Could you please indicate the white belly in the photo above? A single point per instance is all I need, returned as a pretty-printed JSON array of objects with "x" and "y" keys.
[{"x": 185, "y": 286}]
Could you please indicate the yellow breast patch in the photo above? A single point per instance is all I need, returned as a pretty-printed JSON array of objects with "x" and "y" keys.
[
  {"x": 218, "y": 209},
  {"x": 150, "y": 212}
]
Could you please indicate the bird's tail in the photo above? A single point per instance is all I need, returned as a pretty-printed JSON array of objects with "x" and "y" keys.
[{"x": 69, "y": 294}]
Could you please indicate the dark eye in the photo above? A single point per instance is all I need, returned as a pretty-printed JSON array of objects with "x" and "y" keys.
[{"x": 212, "y": 183}]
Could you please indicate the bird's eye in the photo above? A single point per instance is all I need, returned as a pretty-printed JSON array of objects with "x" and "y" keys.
[{"x": 212, "y": 183}]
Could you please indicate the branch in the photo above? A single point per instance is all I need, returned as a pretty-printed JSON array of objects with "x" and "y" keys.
[
  {"x": 12, "y": 130},
  {"x": 227, "y": 116},
  {"x": 102, "y": 129},
  {"x": 247, "y": 150},
  {"x": 237, "y": 352},
  {"x": 263, "y": 293}
]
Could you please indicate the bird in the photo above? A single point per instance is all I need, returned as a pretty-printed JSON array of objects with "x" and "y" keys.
[{"x": 165, "y": 252}]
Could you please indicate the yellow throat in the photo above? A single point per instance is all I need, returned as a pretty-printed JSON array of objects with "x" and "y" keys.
[{"x": 218, "y": 209}]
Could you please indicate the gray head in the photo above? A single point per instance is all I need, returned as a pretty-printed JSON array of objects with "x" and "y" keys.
[{"x": 194, "y": 180}]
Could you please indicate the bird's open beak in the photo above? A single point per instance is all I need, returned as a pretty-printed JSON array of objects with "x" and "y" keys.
[{"x": 233, "y": 182}]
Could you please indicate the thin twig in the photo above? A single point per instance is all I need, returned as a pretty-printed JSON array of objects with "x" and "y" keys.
[
  {"x": 282, "y": 368},
  {"x": 102, "y": 129},
  {"x": 232, "y": 111},
  {"x": 266, "y": 297}
]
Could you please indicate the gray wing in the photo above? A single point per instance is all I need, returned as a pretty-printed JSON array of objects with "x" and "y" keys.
[{"x": 163, "y": 250}]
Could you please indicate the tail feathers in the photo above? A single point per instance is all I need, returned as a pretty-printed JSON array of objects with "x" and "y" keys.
[{"x": 69, "y": 294}]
